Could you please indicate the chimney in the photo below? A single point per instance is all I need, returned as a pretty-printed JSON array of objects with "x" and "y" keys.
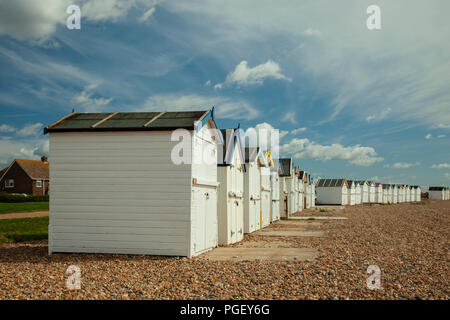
[{"x": 44, "y": 159}]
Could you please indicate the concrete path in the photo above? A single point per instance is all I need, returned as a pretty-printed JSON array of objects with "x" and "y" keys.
[
  {"x": 270, "y": 254},
  {"x": 24, "y": 215}
]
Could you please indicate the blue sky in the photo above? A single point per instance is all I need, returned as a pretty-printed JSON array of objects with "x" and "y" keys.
[{"x": 349, "y": 102}]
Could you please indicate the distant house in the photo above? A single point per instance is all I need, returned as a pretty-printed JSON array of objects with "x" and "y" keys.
[{"x": 26, "y": 176}]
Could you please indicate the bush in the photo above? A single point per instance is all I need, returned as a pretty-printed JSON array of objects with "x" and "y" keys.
[{"x": 10, "y": 197}]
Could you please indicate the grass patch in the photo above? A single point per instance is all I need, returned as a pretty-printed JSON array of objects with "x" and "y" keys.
[
  {"x": 6, "y": 207},
  {"x": 23, "y": 229},
  {"x": 323, "y": 210},
  {"x": 14, "y": 198}
]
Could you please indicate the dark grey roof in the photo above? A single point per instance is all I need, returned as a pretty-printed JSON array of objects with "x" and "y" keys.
[
  {"x": 436, "y": 188},
  {"x": 330, "y": 183},
  {"x": 286, "y": 167},
  {"x": 127, "y": 121}
]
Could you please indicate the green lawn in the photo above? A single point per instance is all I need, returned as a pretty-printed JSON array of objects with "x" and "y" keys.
[
  {"x": 6, "y": 207},
  {"x": 23, "y": 229}
]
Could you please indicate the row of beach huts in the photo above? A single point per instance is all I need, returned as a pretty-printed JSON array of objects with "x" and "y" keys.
[{"x": 173, "y": 183}]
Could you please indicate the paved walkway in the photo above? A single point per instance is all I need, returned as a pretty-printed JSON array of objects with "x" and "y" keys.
[{"x": 24, "y": 215}]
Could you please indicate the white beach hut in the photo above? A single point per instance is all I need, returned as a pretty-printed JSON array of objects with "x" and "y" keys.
[
  {"x": 407, "y": 193},
  {"x": 275, "y": 196},
  {"x": 378, "y": 192},
  {"x": 371, "y": 192},
  {"x": 230, "y": 205},
  {"x": 291, "y": 183},
  {"x": 394, "y": 193},
  {"x": 418, "y": 194},
  {"x": 364, "y": 191},
  {"x": 301, "y": 190},
  {"x": 437, "y": 193},
  {"x": 252, "y": 190},
  {"x": 358, "y": 194},
  {"x": 351, "y": 193},
  {"x": 385, "y": 193},
  {"x": 313, "y": 192},
  {"x": 124, "y": 183},
  {"x": 332, "y": 191},
  {"x": 283, "y": 189},
  {"x": 266, "y": 191}
]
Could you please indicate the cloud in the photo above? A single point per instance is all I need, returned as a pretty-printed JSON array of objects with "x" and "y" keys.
[
  {"x": 36, "y": 21},
  {"x": 428, "y": 136},
  {"x": 401, "y": 165},
  {"x": 441, "y": 166},
  {"x": 30, "y": 130},
  {"x": 382, "y": 115},
  {"x": 226, "y": 108},
  {"x": 363, "y": 74},
  {"x": 245, "y": 76},
  {"x": 299, "y": 130},
  {"x": 441, "y": 136},
  {"x": 312, "y": 32},
  {"x": 19, "y": 148},
  {"x": 7, "y": 128},
  {"x": 208, "y": 83},
  {"x": 87, "y": 102},
  {"x": 289, "y": 117},
  {"x": 147, "y": 14},
  {"x": 356, "y": 155}
]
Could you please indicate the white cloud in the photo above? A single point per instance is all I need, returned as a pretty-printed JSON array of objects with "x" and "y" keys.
[
  {"x": 364, "y": 73},
  {"x": 401, "y": 165},
  {"x": 7, "y": 128},
  {"x": 441, "y": 166},
  {"x": 225, "y": 107},
  {"x": 30, "y": 130},
  {"x": 299, "y": 130},
  {"x": 380, "y": 116},
  {"x": 87, "y": 102},
  {"x": 428, "y": 136},
  {"x": 356, "y": 155},
  {"x": 36, "y": 21},
  {"x": 289, "y": 117},
  {"x": 312, "y": 32},
  {"x": 208, "y": 83},
  {"x": 29, "y": 149},
  {"x": 441, "y": 136},
  {"x": 245, "y": 76},
  {"x": 147, "y": 14}
]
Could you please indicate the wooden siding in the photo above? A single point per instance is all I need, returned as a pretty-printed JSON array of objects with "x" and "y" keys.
[{"x": 118, "y": 193}]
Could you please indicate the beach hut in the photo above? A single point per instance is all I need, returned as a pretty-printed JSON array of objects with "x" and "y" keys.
[
  {"x": 385, "y": 189},
  {"x": 291, "y": 184},
  {"x": 437, "y": 193},
  {"x": 128, "y": 183},
  {"x": 371, "y": 192},
  {"x": 313, "y": 192},
  {"x": 351, "y": 193},
  {"x": 230, "y": 194},
  {"x": 358, "y": 193},
  {"x": 418, "y": 194},
  {"x": 265, "y": 174},
  {"x": 332, "y": 191},
  {"x": 407, "y": 193},
  {"x": 378, "y": 192},
  {"x": 274, "y": 188},
  {"x": 301, "y": 190},
  {"x": 275, "y": 196},
  {"x": 401, "y": 193},
  {"x": 308, "y": 191},
  {"x": 364, "y": 191},
  {"x": 394, "y": 193},
  {"x": 252, "y": 189},
  {"x": 283, "y": 190}
]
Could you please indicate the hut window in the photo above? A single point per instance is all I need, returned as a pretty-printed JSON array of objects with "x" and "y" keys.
[
  {"x": 9, "y": 183},
  {"x": 38, "y": 183}
]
